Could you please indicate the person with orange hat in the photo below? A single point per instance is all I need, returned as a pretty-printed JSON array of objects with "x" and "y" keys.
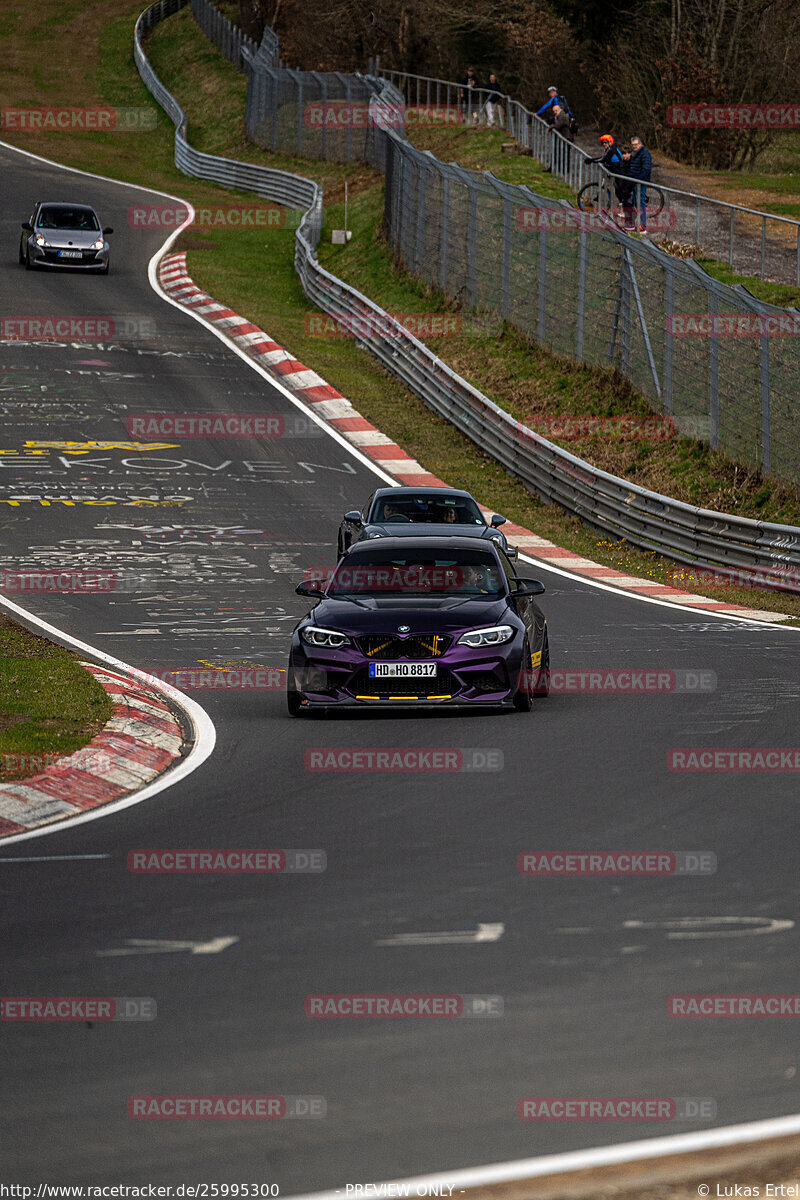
[{"x": 614, "y": 163}]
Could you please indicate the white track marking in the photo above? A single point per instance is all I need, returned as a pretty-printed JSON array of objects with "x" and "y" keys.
[
  {"x": 704, "y": 927},
  {"x": 482, "y": 933},
  {"x": 166, "y": 946},
  {"x": 580, "y": 1160}
]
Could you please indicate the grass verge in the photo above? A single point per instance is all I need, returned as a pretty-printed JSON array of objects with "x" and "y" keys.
[
  {"x": 252, "y": 271},
  {"x": 51, "y": 705}
]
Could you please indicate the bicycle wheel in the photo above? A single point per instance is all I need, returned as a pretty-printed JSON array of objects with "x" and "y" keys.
[{"x": 590, "y": 197}]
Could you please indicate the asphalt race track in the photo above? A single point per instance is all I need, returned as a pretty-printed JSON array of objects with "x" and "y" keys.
[{"x": 584, "y": 994}]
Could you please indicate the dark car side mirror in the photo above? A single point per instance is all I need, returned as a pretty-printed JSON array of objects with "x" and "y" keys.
[
  {"x": 313, "y": 588},
  {"x": 26, "y": 225},
  {"x": 497, "y": 520},
  {"x": 107, "y": 229},
  {"x": 528, "y": 587},
  {"x": 354, "y": 515}
]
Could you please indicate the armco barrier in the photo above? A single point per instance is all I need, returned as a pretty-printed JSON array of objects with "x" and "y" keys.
[{"x": 613, "y": 505}]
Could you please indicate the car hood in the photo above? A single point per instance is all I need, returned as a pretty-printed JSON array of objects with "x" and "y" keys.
[
  {"x": 77, "y": 239},
  {"x": 423, "y": 529},
  {"x": 441, "y": 614}
]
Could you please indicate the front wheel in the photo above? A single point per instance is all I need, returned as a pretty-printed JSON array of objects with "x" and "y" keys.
[
  {"x": 541, "y": 688},
  {"x": 294, "y": 700},
  {"x": 28, "y": 263},
  {"x": 522, "y": 696},
  {"x": 21, "y": 255}
]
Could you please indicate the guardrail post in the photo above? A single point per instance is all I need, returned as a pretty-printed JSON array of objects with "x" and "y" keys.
[
  {"x": 505, "y": 277},
  {"x": 580, "y": 316},
  {"x": 713, "y": 375},
  {"x": 766, "y": 424}
]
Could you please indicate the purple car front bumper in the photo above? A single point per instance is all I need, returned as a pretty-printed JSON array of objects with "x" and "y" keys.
[{"x": 464, "y": 676}]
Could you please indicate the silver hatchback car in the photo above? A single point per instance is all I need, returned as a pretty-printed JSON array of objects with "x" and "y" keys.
[{"x": 64, "y": 235}]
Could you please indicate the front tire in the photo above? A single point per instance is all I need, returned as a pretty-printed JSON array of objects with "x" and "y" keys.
[
  {"x": 28, "y": 263},
  {"x": 21, "y": 255},
  {"x": 294, "y": 700},
  {"x": 542, "y": 689},
  {"x": 522, "y": 696}
]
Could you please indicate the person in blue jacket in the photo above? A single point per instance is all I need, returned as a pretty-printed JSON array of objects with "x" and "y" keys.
[
  {"x": 640, "y": 167},
  {"x": 546, "y": 111}
]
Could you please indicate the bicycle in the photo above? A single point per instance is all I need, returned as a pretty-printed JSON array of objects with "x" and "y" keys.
[{"x": 600, "y": 197}]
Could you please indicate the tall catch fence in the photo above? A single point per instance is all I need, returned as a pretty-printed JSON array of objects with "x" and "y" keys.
[
  {"x": 613, "y": 505},
  {"x": 750, "y": 241}
]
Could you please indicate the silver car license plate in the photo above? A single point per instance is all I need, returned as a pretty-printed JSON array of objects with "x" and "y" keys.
[
  {"x": 402, "y": 670},
  {"x": 70, "y": 254}
]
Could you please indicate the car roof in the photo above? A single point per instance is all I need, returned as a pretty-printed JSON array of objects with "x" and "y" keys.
[
  {"x": 422, "y": 491},
  {"x": 63, "y": 204},
  {"x": 424, "y": 544}
]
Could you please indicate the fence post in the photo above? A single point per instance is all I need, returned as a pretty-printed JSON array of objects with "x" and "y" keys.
[
  {"x": 472, "y": 242},
  {"x": 444, "y": 230},
  {"x": 766, "y": 424},
  {"x": 419, "y": 246},
  {"x": 541, "y": 319},
  {"x": 580, "y": 316},
  {"x": 713, "y": 375},
  {"x": 299, "y": 113},
  {"x": 669, "y": 345},
  {"x": 508, "y": 228}
]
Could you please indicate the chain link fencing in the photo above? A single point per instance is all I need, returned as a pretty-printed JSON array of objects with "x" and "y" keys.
[{"x": 616, "y": 506}]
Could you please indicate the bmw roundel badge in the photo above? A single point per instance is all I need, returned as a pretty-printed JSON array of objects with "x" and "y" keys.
[{"x": 403, "y": 628}]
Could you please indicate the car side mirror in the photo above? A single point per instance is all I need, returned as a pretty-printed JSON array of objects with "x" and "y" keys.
[
  {"x": 354, "y": 515},
  {"x": 108, "y": 229},
  {"x": 497, "y": 520},
  {"x": 26, "y": 225},
  {"x": 528, "y": 587},
  {"x": 312, "y": 588}
]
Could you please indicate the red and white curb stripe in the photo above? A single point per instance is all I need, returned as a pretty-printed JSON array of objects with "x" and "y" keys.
[
  {"x": 139, "y": 742},
  {"x": 339, "y": 413}
]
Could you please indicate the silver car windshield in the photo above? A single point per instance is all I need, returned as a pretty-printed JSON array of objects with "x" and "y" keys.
[
  {"x": 427, "y": 510},
  {"x": 80, "y": 220}
]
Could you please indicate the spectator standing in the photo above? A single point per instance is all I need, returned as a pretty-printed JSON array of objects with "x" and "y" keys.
[
  {"x": 553, "y": 99},
  {"x": 640, "y": 168},
  {"x": 563, "y": 125},
  {"x": 494, "y": 102},
  {"x": 469, "y": 96},
  {"x": 615, "y": 164}
]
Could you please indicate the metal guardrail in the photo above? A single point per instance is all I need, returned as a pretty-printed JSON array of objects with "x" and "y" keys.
[
  {"x": 703, "y": 220},
  {"x": 621, "y": 509}
]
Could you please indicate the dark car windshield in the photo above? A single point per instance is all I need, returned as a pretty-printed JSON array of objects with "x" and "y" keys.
[
  {"x": 59, "y": 216},
  {"x": 429, "y": 510},
  {"x": 417, "y": 573}
]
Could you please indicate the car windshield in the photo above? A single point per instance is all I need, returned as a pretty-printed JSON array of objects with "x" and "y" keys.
[
  {"x": 59, "y": 216},
  {"x": 418, "y": 573},
  {"x": 428, "y": 510}
]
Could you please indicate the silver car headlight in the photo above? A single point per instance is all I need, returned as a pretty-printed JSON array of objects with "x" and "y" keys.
[
  {"x": 313, "y": 635},
  {"x": 493, "y": 635},
  {"x": 98, "y": 245},
  {"x": 40, "y": 241}
]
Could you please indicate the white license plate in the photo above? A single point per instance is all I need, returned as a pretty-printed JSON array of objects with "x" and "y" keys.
[
  {"x": 70, "y": 254},
  {"x": 402, "y": 670}
]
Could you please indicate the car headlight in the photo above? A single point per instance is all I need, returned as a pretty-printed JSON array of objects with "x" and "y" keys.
[
  {"x": 314, "y": 636},
  {"x": 493, "y": 635},
  {"x": 374, "y": 535},
  {"x": 496, "y": 538},
  {"x": 40, "y": 241},
  {"x": 98, "y": 245}
]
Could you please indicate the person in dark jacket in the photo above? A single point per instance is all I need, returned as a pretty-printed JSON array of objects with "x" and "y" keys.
[
  {"x": 469, "y": 96},
  {"x": 640, "y": 168},
  {"x": 563, "y": 125},
  {"x": 612, "y": 160}
]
